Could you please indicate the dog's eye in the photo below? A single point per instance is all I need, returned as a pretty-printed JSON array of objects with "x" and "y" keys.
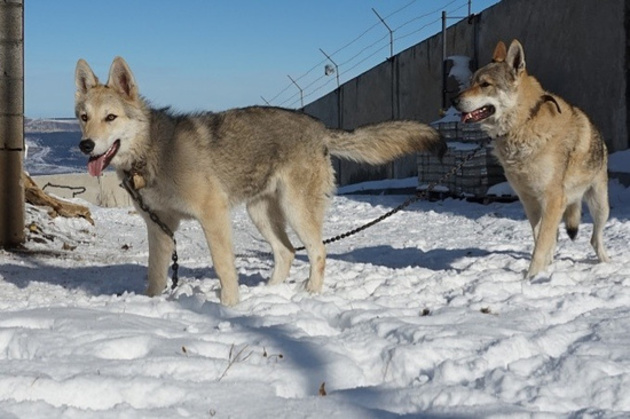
[
  {"x": 110, "y": 117},
  {"x": 484, "y": 84},
  {"x": 84, "y": 117}
]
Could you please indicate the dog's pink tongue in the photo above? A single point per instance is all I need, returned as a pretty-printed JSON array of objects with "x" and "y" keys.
[{"x": 96, "y": 165}]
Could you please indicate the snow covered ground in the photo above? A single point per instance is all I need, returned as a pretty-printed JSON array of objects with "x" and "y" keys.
[{"x": 423, "y": 315}]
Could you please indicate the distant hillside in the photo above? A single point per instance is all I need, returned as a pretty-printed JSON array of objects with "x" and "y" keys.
[{"x": 50, "y": 125}]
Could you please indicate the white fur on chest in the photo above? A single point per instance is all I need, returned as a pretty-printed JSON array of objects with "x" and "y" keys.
[
  {"x": 525, "y": 164},
  {"x": 514, "y": 154}
]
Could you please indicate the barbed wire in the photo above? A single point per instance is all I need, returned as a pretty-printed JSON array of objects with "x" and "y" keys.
[
  {"x": 438, "y": 10},
  {"x": 384, "y": 37},
  {"x": 375, "y": 47},
  {"x": 430, "y": 23},
  {"x": 386, "y": 45},
  {"x": 372, "y": 27},
  {"x": 294, "y": 103},
  {"x": 319, "y": 65}
]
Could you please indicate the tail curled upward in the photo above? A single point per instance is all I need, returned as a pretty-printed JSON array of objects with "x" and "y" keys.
[{"x": 384, "y": 142}]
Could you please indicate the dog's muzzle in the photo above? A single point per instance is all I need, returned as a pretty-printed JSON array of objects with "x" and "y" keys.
[{"x": 86, "y": 146}]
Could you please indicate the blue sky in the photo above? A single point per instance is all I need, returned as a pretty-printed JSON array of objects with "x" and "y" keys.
[{"x": 214, "y": 55}]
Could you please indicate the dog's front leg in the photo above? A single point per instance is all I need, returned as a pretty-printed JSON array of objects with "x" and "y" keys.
[
  {"x": 160, "y": 251},
  {"x": 218, "y": 231},
  {"x": 545, "y": 239}
]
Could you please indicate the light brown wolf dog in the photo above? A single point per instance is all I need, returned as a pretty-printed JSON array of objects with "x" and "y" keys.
[
  {"x": 550, "y": 151},
  {"x": 199, "y": 165}
]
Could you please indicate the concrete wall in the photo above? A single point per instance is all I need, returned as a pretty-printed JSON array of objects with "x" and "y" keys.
[{"x": 576, "y": 48}]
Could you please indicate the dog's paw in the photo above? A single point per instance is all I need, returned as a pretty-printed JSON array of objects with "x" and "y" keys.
[
  {"x": 229, "y": 298},
  {"x": 313, "y": 288},
  {"x": 539, "y": 276},
  {"x": 531, "y": 273},
  {"x": 275, "y": 280},
  {"x": 603, "y": 257},
  {"x": 155, "y": 290}
]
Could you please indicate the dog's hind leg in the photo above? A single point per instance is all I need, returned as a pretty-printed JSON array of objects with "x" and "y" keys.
[
  {"x": 304, "y": 209},
  {"x": 597, "y": 202},
  {"x": 545, "y": 245},
  {"x": 268, "y": 217},
  {"x": 160, "y": 251}
]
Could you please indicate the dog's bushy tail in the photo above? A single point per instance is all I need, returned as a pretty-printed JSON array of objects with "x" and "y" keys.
[
  {"x": 383, "y": 142},
  {"x": 572, "y": 216}
]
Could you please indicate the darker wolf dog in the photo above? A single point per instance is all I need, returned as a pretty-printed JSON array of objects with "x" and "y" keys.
[
  {"x": 199, "y": 165},
  {"x": 553, "y": 156}
]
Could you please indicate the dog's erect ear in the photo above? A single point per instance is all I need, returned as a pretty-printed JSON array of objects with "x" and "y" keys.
[
  {"x": 84, "y": 77},
  {"x": 121, "y": 79},
  {"x": 516, "y": 57},
  {"x": 500, "y": 52}
]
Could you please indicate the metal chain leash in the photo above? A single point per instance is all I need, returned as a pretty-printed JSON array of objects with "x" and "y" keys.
[
  {"x": 418, "y": 196},
  {"x": 128, "y": 185}
]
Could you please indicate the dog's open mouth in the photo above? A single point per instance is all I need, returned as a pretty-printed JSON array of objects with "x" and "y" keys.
[
  {"x": 478, "y": 114},
  {"x": 97, "y": 164}
]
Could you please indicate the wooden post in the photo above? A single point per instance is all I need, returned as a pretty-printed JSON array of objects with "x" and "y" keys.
[{"x": 11, "y": 122}]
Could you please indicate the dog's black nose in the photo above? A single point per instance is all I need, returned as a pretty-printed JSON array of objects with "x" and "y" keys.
[
  {"x": 86, "y": 146},
  {"x": 455, "y": 101}
]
